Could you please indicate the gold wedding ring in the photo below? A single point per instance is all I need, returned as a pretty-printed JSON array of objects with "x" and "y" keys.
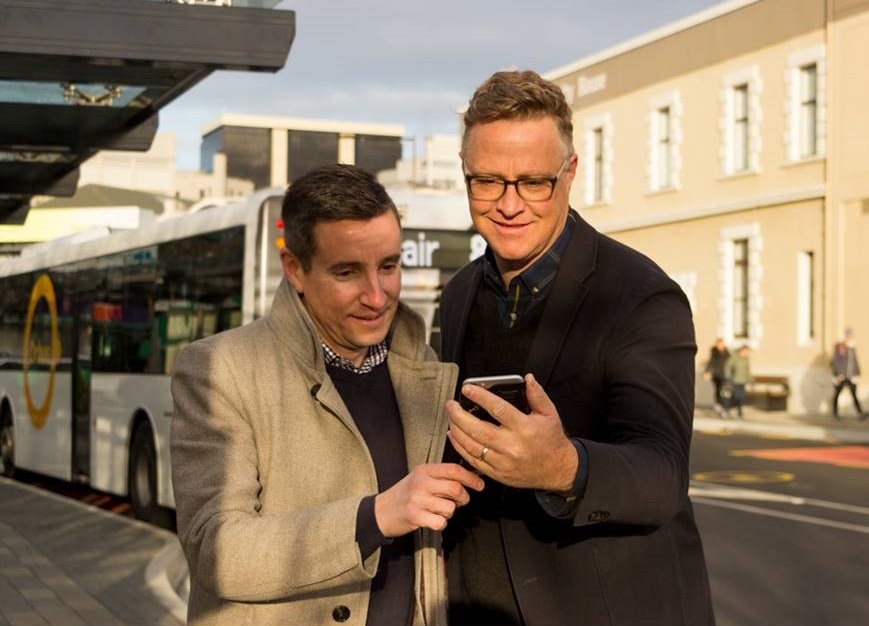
[{"x": 483, "y": 453}]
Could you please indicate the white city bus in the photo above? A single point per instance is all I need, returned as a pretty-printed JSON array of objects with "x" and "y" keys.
[{"x": 89, "y": 332}]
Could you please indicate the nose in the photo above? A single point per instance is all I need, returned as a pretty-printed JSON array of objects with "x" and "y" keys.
[
  {"x": 511, "y": 204},
  {"x": 373, "y": 293}
]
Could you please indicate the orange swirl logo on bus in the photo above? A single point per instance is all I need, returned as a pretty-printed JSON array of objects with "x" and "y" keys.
[{"x": 36, "y": 353}]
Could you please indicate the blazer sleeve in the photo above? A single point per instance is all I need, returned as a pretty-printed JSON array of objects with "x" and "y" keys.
[
  {"x": 638, "y": 465},
  {"x": 234, "y": 549}
]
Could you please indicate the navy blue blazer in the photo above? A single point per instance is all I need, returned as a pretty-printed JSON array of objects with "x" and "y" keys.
[{"x": 615, "y": 352}]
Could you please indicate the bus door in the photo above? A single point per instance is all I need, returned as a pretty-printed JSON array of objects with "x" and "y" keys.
[{"x": 82, "y": 333}]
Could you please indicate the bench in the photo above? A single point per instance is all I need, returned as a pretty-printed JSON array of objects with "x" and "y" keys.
[{"x": 769, "y": 393}]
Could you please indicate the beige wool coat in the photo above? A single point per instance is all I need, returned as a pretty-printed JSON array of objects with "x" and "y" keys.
[{"x": 269, "y": 469}]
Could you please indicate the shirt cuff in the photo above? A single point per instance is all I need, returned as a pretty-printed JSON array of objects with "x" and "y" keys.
[
  {"x": 564, "y": 507},
  {"x": 368, "y": 535}
]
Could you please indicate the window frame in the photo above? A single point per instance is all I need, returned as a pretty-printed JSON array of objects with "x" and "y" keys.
[
  {"x": 796, "y": 106},
  {"x": 751, "y": 296},
  {"x": 598, "y": 174},
  {"x": 744, "y": 124},
  {"x": 664, "y": 149}
]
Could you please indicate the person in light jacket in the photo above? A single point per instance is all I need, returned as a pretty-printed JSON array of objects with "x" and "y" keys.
[
  {"x": 306, "y": 445},
  {"x": 737, "y": 372}
]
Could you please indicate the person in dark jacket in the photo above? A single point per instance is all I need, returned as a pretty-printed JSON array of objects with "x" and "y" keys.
[
  {"x": 846, "y": 368},
  {"x": 585, "y": 517},
  {"x": 718, "y": 355}
]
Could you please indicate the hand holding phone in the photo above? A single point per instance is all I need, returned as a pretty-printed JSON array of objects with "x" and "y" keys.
[{"x": 510, "y": 387}]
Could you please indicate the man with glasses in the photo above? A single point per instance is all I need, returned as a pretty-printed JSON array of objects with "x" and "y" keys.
[{"x": 585, "y": 517}]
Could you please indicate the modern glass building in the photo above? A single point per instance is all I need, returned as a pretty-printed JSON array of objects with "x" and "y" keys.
[{"x": 275, "y": 150}]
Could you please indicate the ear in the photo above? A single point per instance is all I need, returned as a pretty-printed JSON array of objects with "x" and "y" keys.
[
  {"x": 293, "y": 270},
  {"x": 574, "y": 164}
]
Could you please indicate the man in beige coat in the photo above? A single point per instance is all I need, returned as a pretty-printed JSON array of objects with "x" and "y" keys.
[{"x": 306, "y": 445}]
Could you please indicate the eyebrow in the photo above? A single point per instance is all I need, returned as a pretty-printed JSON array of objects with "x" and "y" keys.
[
  {"x": 502, "y": 177},
  {"x": 339, "y": 265}
]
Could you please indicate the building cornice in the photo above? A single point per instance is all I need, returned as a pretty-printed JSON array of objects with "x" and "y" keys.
[
  {"x": 297, "y": 123},
  {"x": 650, "y": 37},
  {"x": 815, "y": 192}
]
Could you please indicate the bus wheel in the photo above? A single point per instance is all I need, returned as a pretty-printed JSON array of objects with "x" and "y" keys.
[
  {"x": 143, "y": 474},
  {"x": 7, "y": 446}
]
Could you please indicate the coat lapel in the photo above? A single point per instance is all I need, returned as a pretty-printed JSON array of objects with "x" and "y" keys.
[
  {"x": 565, "y": 299},
  {"x": 420, "y": 391},
  {"x": 454, "y": 319}
]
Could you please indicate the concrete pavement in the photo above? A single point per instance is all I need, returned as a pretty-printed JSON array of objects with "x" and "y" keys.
[
  {"x": 782, "y": 424},
  {"x": 65, "y": 563}
]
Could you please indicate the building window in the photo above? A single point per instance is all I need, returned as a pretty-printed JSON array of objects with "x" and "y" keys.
[
  {"x": 739, "y": 129},
  {"x": 665, "y": 134},
  {"x": 740, "y": 289},
  {"x": 598, "y": 164},
  {"x": 806, "y": 89},
  {"x": 375, "y": 153},
  {"x": 805, "y": 298},
  {"x": 248, "y": 152},
  {"x": 308, "y": 149},
  {"x": 741, "y": 292},
  {"x": 664, "y": 144},
  {"x": 808, "y": 111},
  {"x": 741, "y": 123}
]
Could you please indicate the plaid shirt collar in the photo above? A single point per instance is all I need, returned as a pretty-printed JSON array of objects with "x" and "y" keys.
[
  {"x": 376, "y": 356},
  {"x": 532, "y": 285}
]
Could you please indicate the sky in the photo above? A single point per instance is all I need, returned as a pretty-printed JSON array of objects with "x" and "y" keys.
[{"x": 410, "y": 62}]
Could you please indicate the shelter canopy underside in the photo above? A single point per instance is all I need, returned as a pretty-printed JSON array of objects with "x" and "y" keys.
[{"x": 78, "y": 76}]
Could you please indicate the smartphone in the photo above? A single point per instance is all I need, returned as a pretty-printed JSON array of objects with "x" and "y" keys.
[{"x": 511, "y": 387}]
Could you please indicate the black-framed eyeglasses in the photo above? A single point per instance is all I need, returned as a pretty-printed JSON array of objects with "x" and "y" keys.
[{"x": 532, "y": 188}]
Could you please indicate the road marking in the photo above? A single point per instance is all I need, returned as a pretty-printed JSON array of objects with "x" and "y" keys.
[
  {"x": 743, "y": 477},
  {"x": 741, "y": 493},
  {"x": 843, "y": 456},
  {"x": 795, "y": 517}
]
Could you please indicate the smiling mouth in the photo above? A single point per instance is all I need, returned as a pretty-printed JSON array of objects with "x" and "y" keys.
[
  {"x": 510, "y": 225},
  {"x": 370, "y": 319}
]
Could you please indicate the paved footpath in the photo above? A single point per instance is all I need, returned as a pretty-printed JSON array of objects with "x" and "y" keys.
[
  {"x": 65, "y": 563},
  {"x": 779, "y": 423}
]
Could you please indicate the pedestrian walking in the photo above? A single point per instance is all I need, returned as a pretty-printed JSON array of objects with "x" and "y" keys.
[
  {"x": 737, "y": 371},
  {"x": 718, "y": 355},
  {"x": 846, "y": 368}
]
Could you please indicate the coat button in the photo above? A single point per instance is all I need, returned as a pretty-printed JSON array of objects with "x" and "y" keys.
[{"x": 341, "y": 613}]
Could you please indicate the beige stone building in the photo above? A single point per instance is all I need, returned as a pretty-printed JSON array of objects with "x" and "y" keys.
[{"x": 733, "y": 148}]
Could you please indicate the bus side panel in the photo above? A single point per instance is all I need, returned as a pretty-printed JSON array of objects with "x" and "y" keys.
[
  {"x": 115, "y": 400},
  {"x": 46, "y": 449}
]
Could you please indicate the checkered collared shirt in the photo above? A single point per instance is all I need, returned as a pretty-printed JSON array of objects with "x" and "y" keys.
[
  {"x": 531, "y": 287},
  {"x": 376, "y": 355}
]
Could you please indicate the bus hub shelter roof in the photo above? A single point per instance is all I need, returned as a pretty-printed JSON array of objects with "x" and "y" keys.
[{"x": 79, "y": 76}]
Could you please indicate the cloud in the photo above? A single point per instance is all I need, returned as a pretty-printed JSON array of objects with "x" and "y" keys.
[{"x": 410, "y": 63}]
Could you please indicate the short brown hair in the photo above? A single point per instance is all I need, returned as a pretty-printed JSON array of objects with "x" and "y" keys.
[
  {"x": 329, "y": 193},
  {"x": 519, "y": 95}
]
